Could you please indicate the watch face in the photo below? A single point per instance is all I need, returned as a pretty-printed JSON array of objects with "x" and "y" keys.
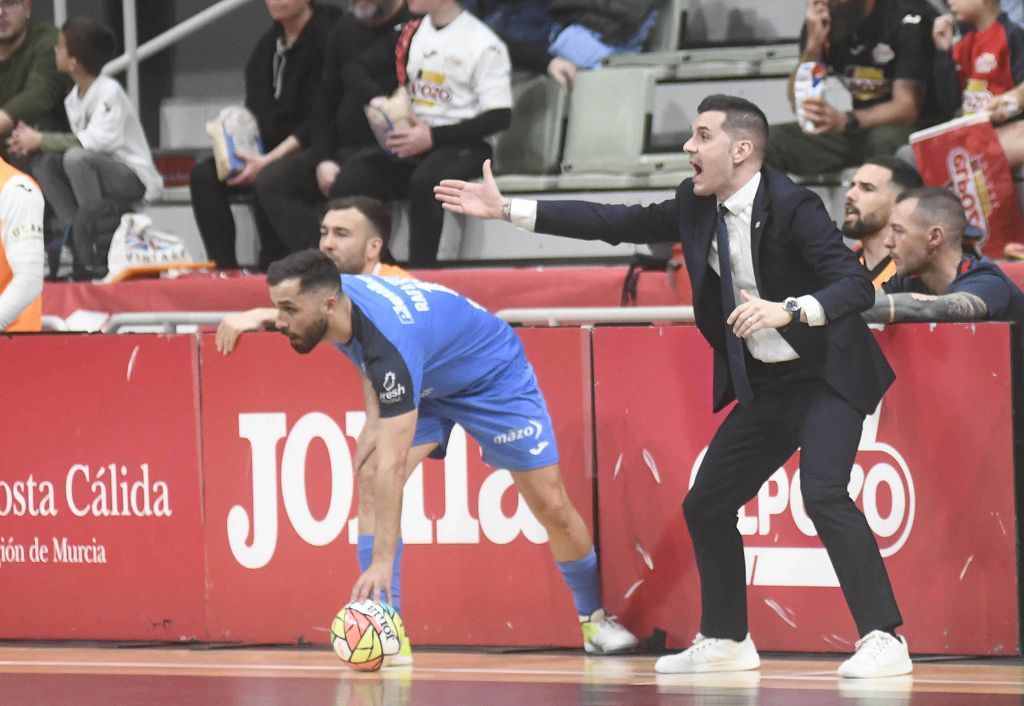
[{"x": 791, "y": 305}]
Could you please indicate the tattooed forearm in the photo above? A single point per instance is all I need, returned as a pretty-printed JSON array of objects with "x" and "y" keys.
[{"x": 894, "y": 308}]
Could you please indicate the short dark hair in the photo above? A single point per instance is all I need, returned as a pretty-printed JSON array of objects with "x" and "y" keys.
[
  {"x": 89, "y": 42},
  {"x": 376, "y": 212},
  {"x": 937, "y": 205},
  {"x": 904, "y": 176},
  {"x": 741, "y": 116},
  {"x": 312, "y": 268}
]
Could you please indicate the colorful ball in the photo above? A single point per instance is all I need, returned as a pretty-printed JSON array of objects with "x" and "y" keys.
[{"x": 363, "y": 633}]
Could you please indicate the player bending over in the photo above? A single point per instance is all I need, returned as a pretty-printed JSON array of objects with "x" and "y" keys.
[{"x": 429, "y": 359}]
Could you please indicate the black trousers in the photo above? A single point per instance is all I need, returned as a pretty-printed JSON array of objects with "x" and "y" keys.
[
  {"x": 211, "y": 204},
  {"x": 792, "y": 409},
  {"x": 291, "y": 199},
  {"x": 372, "y": 172}
]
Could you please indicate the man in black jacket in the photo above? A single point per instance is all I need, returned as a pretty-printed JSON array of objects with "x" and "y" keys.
[
  {"x": 281, "y": 78},
  {"x": 293, "y": 190},
  {"x": 778, "y": 296}
]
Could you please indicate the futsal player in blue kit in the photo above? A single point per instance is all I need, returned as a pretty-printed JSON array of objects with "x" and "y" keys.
[{"x": 429, "y": 359}]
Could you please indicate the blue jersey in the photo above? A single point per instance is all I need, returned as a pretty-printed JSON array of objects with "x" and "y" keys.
[{"x": 416, "y": 340}]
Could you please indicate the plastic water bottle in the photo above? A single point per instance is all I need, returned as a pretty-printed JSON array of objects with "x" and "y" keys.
[{"x": 809, "y": 83}]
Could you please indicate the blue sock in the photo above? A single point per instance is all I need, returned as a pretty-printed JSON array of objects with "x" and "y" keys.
[
  {"x": 584, "y": 582},
  {"x": 396, "y": 578},
  {"x": 364, "y": 551}
]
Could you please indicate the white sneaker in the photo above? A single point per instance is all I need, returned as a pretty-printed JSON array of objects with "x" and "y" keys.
[
  {"x": 711, "y": 654},
  {"x": 602, "y": 634},
  {"x": 878, "y": 654},
  {"x": 404, "y": 656}
]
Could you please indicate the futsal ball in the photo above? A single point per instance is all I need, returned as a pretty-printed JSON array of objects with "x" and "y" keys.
[{"x": 365, "y": 632}]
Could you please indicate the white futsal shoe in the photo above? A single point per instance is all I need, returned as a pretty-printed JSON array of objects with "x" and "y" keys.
[
  {"x": 602, "y": 634},
  {"x": 404, "y": 656},
  {"x": 711, "y": 654},
  {"x": 878, "y": 654}
]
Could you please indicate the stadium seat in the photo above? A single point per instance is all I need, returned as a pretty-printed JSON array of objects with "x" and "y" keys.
[
  {"x": 668, "y": 32},
  {"x": 645, "y": 87},
  {"x": 533, "y": 142}
]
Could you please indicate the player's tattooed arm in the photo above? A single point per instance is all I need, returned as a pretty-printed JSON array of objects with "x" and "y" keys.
[{"x": 910, "y": 307}]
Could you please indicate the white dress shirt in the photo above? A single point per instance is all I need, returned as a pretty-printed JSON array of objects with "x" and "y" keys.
[{"x": 767, "y": 345}]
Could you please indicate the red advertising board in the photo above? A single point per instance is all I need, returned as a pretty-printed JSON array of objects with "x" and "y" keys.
[
  {"x": 279, "y": 434},
  {"x": 99, "y": 490},
  {"x": 934, "y": 476}
]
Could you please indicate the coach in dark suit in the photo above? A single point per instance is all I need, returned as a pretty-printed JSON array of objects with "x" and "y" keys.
[{"x": 789, "y": 344}]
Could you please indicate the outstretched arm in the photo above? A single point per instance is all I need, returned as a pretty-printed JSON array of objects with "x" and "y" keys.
[
  {"x": 909, "y": 307},
  {"x": 483, "y": 200},
  {"x": 583, "y": 220}
]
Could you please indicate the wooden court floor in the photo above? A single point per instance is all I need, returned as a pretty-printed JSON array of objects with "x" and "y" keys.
[{"x": 47, "y": 674}]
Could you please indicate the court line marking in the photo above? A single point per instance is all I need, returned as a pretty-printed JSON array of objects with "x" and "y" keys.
[{"x": 473, "y": 670}]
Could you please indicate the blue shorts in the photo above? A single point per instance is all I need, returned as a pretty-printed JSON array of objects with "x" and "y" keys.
[{"x": 508, "y": 418}]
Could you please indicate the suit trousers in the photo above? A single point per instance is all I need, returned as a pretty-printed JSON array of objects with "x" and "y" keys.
[{"x": 792, "y": 409}]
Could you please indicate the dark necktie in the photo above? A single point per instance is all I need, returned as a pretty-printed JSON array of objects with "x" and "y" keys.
[{"x": 733, "y": 344}]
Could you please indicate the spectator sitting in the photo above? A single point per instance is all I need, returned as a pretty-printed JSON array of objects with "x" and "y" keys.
[
  {"x": 869, "y": 203},
  {"x": 456, "y": 72},
  {"x": 935, "y": 279},
  {"x": 31, "y": 88},
  {"x": 106, "y": 155},
  {"x": 984, "y": 66},
  {"x": 525, "y": 27},
  {"x": 292, "y": 190},
  {"x": 21, "y": 251},
  {"x": 354, "y": 233},
  {"x": 882, "y": 51},
  {"x": 281, "y": 78}
]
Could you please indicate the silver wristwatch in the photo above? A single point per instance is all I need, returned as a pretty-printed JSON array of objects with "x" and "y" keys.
[{"x": 792, "y": 306}]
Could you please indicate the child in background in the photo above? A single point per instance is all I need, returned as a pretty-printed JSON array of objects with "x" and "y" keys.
[
  {"x": 983, "y": 70},
  {"x": 106, "y": 155}
]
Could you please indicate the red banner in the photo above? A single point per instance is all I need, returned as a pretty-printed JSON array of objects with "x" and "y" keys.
[
  {"x": 279, "y": 434},
  {"x": 934, "y": 476},
  {"x": 493, "y": 288},
  {"x": 965, "y": 155},
  {"x": 99, "y": 494}
]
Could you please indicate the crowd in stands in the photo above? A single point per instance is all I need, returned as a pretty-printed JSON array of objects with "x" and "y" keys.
[{"x": 310, "y": 77}]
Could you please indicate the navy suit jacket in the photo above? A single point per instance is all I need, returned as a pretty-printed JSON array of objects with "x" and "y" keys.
[{"x": 797, "y": 249}]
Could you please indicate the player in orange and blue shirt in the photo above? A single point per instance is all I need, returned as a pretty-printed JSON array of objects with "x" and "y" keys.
[{"x": 873, "y": 191}]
